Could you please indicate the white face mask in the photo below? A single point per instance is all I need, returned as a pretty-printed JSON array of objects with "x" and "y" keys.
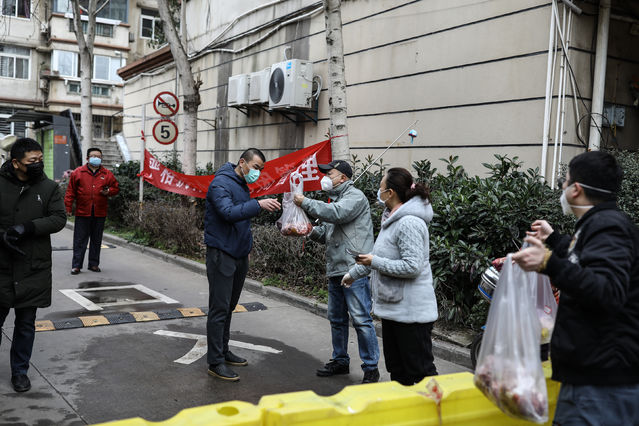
[
  {"x": 566, "y": 207},
  {"x": 326, "y": 183},
  {"x": 379, "y": 197}
]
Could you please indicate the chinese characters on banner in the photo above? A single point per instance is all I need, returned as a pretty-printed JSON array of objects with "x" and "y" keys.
[{"x": 274, "y": 179}]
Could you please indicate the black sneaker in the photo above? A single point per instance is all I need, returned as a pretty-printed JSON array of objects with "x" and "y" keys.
[
  {"x": 21, "y": 383},
  {"x": 371, "y": 376},
  {"x": 232, "y": 359},
  {"x": 222, "y": 371},
  {"x": 332, "y": 368}
]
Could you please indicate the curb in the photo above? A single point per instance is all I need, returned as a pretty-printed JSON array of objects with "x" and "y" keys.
[{"x": 441, "y": 348}]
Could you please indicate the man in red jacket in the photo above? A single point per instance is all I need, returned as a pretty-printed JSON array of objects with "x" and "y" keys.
[{"x": 89, "y": 186}]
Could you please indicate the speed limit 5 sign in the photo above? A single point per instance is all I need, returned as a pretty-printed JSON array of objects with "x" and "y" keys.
[{"x": 165, "y": 131}]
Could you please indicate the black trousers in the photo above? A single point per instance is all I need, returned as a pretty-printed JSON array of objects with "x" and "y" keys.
[
  {"x": 408, "y": 351},
  {"x": 87, "y": 228},
  {"x": 226, "y": 276},
  {"x": 23, "y": 337}
]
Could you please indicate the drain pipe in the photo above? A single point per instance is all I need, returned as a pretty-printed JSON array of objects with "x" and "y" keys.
[
  {"x": 599, "y": 82},
  {"x": 548, "y": 102}
]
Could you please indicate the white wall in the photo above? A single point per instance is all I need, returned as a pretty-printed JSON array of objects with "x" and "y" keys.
[{"x": 472, "y": 72}]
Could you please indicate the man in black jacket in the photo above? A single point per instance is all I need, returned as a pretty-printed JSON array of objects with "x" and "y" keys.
[
  {"x": 595, "y": 343},
  {"x": 31, "y": 209}
]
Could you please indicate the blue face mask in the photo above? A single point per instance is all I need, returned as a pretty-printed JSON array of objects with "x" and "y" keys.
[
  {"x": 95, "y": 161},
  {"x": 252, "y": 176}
]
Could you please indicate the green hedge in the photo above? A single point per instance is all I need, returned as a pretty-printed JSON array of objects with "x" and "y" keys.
[{"x": 477, "y": 219}]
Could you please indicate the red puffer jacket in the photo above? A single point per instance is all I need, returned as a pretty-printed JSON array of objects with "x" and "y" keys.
[{"x": 85, "y": 189}]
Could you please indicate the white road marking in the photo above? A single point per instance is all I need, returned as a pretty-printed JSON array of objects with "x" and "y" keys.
[
  {"x": 200, "y": 347},
  {"x": 74, "y": 294}
]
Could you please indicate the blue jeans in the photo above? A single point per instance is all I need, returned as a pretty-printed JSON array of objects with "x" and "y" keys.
[
  {"x": 355, "y": 300},
  {"x": 23, "y": 337},
  {"x": 597, "y": 405}
]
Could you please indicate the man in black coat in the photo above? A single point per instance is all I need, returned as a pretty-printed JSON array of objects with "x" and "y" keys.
[
  {"x": 228, "y": 238},
  {"x": 595, "y": 342},
  {"x": 31, "y": 209}
]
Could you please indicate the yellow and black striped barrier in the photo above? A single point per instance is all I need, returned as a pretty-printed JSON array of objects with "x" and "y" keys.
[{"x": 129, "y": 317}]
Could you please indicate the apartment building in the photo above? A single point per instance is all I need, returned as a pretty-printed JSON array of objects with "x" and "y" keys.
[
  {"x": 39, "y": 61},
  {"x": 483, "y": 77}
]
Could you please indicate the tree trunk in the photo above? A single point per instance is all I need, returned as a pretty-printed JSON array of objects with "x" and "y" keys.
[
  {"x": 336, "y": 80},
  {"x": 85, "y": 45},
  {"x": 190, "y": 88},
  {"x": 86, "y": 104}
]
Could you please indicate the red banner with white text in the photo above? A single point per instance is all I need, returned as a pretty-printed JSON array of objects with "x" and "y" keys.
[{"x": 274, "y": 178}]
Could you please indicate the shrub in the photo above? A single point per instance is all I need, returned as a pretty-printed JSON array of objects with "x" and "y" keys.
[
  {"x": 170, "y": 225},
  {"x": 287, "y": 262},
  {"x": 478, "y": 219},
  {"x": 629, "y": 195}
]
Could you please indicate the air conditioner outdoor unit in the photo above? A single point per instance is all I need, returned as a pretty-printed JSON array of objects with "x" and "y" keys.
[
  {"x": 258, "y": 86},
  {"x": 238, "y": 90},
  {"x": 291, "y": 84}
]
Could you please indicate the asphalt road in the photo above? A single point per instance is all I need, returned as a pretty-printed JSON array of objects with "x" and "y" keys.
[{"x": 87, "y": 375}]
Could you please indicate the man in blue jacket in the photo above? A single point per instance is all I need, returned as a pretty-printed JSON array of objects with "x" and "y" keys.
[
  {"x": 228, "y": 238},
  {"x": 595, "y": 342}
]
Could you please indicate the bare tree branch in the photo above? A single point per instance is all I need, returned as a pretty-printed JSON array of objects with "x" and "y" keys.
[{"x": 101, "y": 7}]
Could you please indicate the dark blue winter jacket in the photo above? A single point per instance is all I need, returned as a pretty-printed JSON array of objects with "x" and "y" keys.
[{"x": 229, "y": 209}]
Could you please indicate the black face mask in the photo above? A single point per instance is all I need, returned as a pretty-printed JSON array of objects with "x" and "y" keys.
[{"x": 35, "y": 170}]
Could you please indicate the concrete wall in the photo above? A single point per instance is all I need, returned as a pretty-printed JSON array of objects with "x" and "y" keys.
[
  {"x": 472, "y": 72},
  {"x": 139, "y": 46},
  {"x": 23, "y": 33}
]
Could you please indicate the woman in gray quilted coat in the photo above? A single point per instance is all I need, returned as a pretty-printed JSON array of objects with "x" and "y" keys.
[{"x": 401, "y": 279}]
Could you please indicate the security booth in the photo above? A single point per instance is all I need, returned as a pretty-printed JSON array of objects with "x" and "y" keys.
[{"x": 59, "y": 140}]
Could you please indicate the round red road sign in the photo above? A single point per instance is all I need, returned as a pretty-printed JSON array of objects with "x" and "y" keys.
[
  {"x": 166, "y": 104},
  {"x": 165, "y": 131}
]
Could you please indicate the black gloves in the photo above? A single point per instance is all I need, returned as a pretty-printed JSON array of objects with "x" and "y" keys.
[
  {"x": 22, "y": 230},
  {"x": 15, "y": 233}
]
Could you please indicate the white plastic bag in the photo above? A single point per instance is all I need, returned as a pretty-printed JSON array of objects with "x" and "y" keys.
[
  {"x": 293, "y": 221},
  {"x": 546, "y": 307},
  {"x": 508, "y": 369}
]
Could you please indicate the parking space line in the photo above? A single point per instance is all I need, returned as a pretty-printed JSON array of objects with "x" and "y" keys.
[{"x": 130, "y": 317}]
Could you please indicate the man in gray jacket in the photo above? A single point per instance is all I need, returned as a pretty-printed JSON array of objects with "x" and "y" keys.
[{"x": 346, "y": 225}]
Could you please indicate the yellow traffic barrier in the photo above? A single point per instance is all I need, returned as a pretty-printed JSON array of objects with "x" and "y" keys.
[{"x": 450, "y": 399}]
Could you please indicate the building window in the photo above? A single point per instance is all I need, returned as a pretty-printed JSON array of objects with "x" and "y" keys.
[
  {"x": 115, "y": 9},
  {"x": 101, "y": 90},
  {"x": 106, "y": 67},
  {"x": 147, "y": 23},
  {"x": 18, "y": 128},
  {"x": 102, "y": 30},
  {"x": 65, "y": 63},
  {"x": 17, "y": 8},
  {"x": 14, "y": 62}
]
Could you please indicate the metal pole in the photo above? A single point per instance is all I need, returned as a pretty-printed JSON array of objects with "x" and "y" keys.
[
  {"x": 599, "y": 81},
  {"x": 387, "y": 148},
  {"x": 548, "y": 101},
  {"x": 142, "y": 154}
]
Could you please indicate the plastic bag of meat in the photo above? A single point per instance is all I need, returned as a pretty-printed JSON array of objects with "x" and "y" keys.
[
  {"x": 293, "y": 221},
  {"x": 509, "y": 371}
]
